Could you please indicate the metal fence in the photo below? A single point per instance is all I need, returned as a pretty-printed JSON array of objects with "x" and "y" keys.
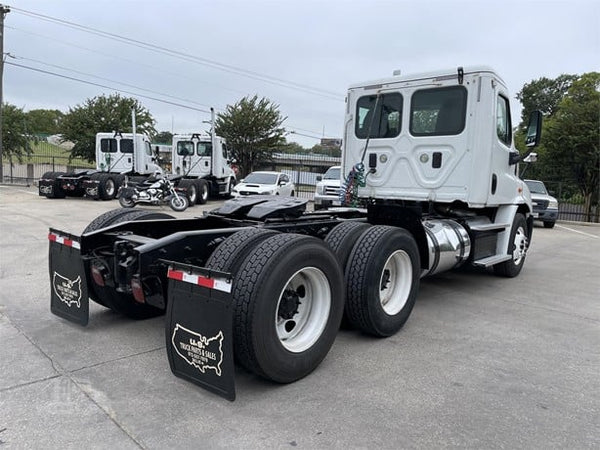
[
  {"x": 27, "y": 173},
  {"x": 303, "y": 169}
]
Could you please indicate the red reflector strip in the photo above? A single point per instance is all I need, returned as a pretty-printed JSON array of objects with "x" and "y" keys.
[
  {"x": 63, "y": 240},
  {"x": 218, "y": 284}
]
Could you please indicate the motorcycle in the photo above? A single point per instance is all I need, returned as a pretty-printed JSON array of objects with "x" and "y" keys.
[{"x": 155, "y": 192}]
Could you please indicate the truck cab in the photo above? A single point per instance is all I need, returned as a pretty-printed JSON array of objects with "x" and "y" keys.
[
  {"x": 198, "y": 157},
  {"x": 122, "y": 152},
  {"x": 440, "y": 137}
]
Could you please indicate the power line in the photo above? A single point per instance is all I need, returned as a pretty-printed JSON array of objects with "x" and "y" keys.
[
  {"x": 186, "y": 56},
  {"x": 46, "y": 72},
  {"x": 106, "y": 87},
  {"x": 119, "y": 57},
  {"x": 109, "y": 80}
]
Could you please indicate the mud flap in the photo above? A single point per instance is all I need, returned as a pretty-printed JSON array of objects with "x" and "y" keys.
[
  {"x": 68, "y": 284},
  {"x": 199, "y": 335}
]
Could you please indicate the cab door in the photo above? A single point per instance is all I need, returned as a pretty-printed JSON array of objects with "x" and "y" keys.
[{"x": 501, "y": 189}]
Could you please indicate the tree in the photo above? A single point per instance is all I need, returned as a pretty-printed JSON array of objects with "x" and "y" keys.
[
  {"x": 543, "y": 94},
  {"x": 253, "y": 130},
  {"x": 326, "y": 150},
  {"x": 103, "y": 114},
  {"x": 16, "y": 141},
  {"x": 292, "y": 147},
  {"x": 163, "y": 137},
  {"x": 44, "y": 121},
  {"x": 572, "y": 136}
]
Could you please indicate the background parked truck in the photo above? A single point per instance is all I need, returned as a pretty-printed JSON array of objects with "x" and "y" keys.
[
  {"x": 204, "y": 163},
  {"x": 430, "y": 183},
  {"x": 116, "y": 153}
]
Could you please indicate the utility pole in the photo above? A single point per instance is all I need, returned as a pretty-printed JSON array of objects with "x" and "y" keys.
[{"x": 4, "y": 10}]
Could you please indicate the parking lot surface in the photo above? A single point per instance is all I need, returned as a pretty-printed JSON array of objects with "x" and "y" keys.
[{"x": 483, "y": 362}]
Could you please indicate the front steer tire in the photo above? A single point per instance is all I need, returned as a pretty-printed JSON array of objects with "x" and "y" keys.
[
  {"x": 288, "y": 303},
  {"x": 518, "y": 244}
]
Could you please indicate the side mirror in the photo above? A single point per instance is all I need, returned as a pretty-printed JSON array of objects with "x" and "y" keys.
[
  {"x": 531, "y": 158},
  {"x": 319, "y": 178},
  {"x": 534, "y": 129}
]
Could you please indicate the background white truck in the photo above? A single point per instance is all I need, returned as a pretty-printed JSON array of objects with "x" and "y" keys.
[
  {"x": 203, "y": 161},
  {"x": 116, "y": 153},
  {"x": 431, "y": 183}
]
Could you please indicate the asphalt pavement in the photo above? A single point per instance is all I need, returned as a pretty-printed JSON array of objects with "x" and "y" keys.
[{"x": 483, "y": 362}]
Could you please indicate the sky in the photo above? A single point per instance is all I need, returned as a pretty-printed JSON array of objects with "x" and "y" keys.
[{"x": 300, "y": 54}]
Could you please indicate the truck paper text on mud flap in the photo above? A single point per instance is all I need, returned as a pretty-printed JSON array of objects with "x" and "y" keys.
[
  {"x": 68, "y": 285},
  {"x": 199, "y": 328}
]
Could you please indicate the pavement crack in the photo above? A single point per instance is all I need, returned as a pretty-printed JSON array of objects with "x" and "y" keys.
[{"x": 108, "y": 361}]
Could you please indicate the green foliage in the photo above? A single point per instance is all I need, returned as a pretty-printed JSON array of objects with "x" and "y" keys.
[
  {"x": 572, "y": 136},
  {"x": 103, "y": 114},
  {"x": 543, "y": 94},
  {"x": 44, "y": 121},
  {"x": 292, "y": 147},
  {"x": 15, "y": 138},
  {"x": 329, "y": 151},
  {"x": 163, "y": 137},
  {"x": 253, "y": 130}
]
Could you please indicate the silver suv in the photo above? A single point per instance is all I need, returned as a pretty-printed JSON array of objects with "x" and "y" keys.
[
  {"x": 545, "y": 207},
  {"x": 328, "y": 189}
]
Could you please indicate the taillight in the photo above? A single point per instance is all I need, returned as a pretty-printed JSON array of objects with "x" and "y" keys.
[
  {"x": 98, "y": 274},
  {"x": 137, "y": 290}
]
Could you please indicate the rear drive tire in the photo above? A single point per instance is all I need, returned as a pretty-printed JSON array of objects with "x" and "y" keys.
[
  {"x": 517, "y": 247},
  {"x": 342, "y": 237},
  {"x": 341, "y": 240},
  {"x": 230, "y": 254},
  {"x": 288, "y": 303},
  {"x": 549, "y": 224},
  {"x": 105, "y": 219},
  {"x": 107, "y": 188},
  {"x": 191, "y": 190},
  {"x": 382, "y": 280},
  {"x": 203, "y": 192}
]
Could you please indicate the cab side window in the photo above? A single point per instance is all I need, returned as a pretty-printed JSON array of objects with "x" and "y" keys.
[{"x": 503, "y": 125}]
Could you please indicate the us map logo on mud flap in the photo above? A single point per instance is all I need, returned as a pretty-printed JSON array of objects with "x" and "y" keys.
[
  {"x": 199, "y": 351},
  {"x": 68, "y": 291}
]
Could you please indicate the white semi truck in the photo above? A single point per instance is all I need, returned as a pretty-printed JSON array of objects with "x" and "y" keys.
[
  {"x": 203, "y": 161},
  {"x": 116, "y": 153},
  {"x": 430, "y": 184}
]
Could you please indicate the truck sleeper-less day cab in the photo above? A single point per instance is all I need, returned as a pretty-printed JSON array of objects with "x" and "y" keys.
[
  {"x": 203, "y": 161},
  {"x": 116, "y": 153},
  {"x": 430, "y": 163}
]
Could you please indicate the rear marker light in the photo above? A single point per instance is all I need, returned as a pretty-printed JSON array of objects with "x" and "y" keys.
[
  {"x": 137, "y": 290},
  {"x": 97, "y": 275}
]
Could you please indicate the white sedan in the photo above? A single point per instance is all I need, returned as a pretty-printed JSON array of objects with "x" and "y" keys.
[{"x": 265, "y": 183}]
